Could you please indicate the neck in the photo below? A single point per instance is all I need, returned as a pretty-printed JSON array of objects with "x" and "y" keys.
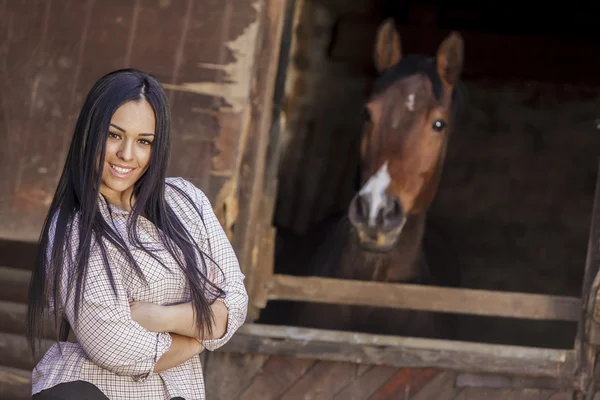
[
  {"x": 120, "y": 200},
  {"x": 401, "y": 264}
]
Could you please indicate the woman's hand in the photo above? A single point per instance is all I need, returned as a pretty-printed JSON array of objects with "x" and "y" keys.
[{"x": 151, "y": 316}]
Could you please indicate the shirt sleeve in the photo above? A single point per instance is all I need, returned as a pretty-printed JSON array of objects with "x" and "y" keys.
[
  {"x": 105, "y": 330},
  {"x": 222, "y": 252}
]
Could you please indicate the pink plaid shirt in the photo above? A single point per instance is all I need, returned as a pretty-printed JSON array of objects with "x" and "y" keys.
[{"x": 114, "y": 352}]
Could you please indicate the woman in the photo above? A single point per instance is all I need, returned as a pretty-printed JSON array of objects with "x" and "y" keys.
[{"x": 134, "y": 266}]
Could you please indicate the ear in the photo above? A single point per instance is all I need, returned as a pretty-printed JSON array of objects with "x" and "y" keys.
[
  {"x": 450, "y": 58},
  {"x": 387, "y": 46}
]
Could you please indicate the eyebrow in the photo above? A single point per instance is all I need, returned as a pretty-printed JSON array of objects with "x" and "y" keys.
[{"x": 123, "y": 130}]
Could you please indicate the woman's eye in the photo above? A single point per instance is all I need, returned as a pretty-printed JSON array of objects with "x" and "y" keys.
[
  {"x": 145, "y": 142},
  {"x": 113, "y": 135}
]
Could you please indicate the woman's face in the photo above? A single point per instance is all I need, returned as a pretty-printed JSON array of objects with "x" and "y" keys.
[{"x": 128, "y": 149}]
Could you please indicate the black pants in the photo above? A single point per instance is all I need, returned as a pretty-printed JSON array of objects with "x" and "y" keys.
[{"x": 79, "y": 390}]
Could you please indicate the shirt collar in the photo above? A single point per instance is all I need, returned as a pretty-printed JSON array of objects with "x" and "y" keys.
[{"x": 107, "y": 209}]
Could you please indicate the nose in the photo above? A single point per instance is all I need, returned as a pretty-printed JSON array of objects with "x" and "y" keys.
[
  {"x": 125, "y": 152},
  {"x": 376, "y": 213}
]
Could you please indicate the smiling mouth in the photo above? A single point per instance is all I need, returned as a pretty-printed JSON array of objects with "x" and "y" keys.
[{"x": 120, "y": 172}]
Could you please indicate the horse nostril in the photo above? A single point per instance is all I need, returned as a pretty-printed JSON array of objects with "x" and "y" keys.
[
  {"x": 362, "y": 207},
  {"x": 359, "y": 210},
  {"x": 394, "y": 213},
  {"x": 393, "y": 209}
]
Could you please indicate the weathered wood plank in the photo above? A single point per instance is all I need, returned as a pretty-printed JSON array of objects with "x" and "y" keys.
[
  {"x": 278, "y": 24},
  {"x": 247, "y": 238},
  {"x": 362, "y": 368},
  {"x": 503, "y": 381},
  {"x": 401, "y": 351},
  {"x": 367, "y": 384},
  {"x": 426, "y": 298},
  {"x": 564, "y": 396},
  {"x": 322, "y": 381},
  {"x": 209, "y": 86},
  {"x": 42, "y": 61},
  {"x": 440, "y": 387},
  {"x": 362, "y": 348},
  {"x": 264, "y": 266},
  {"x": 227, "y": 375},
  {"x": 405, "y": 383},
  {"x": 155, "y": 36},
  {"x": 587, "y": 338},
  {"x": 203, "y": 53},
  {"x": 12, "y": 317},
  {"x": 15, "y": 384},
  {"x": 15, "y": 353},
  {"x": 14, "y": 284},
  {"x": 291, "y": 155},
  {"x": 16, "y": 254},
  {"x": 277, "y": 375},
  {"x": 503, "y": 394}
]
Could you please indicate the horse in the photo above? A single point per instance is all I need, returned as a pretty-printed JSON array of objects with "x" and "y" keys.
[{"x": 410, "y": 114}]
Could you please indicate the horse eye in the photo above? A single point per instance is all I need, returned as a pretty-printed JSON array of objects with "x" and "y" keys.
[{"x": 439, "y": 125}]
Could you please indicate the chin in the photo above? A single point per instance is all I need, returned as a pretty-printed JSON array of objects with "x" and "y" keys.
[{"x": 118, "y": 185}]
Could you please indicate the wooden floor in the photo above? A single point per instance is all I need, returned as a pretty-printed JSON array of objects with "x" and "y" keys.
[
  {"x": 245, "y": 377},
  {"x": 232, "y": 376}
]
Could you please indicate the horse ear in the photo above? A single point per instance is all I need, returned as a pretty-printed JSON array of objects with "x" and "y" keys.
[
  {"x": 387, "y": 46},
  {"x": 450, "y": 58}
]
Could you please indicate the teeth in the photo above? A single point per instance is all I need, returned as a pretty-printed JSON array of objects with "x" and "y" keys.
[{"x": 121, "y": 170}]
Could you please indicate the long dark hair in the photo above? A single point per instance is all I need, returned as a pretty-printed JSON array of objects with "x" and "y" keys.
[{"x": 76, "y": 199}]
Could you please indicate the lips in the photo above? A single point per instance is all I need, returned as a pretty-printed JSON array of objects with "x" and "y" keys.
[{"x": 120, "y": 171}]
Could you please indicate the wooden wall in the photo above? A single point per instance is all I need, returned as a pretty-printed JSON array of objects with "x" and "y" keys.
[
  {"x": 204, "y": 52},
  {"x": 217, "y": 61}
]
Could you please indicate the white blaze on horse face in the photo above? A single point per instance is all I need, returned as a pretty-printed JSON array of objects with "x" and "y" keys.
[
  {"x": 410, "y": 102},
  {"x": 374, "y": 190}
]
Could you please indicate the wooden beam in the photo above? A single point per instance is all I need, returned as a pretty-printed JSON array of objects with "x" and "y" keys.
[
  {"x": 367, "y": 349},
  {"x": 14, "y": 284},
  {"x": 246, "y": 239},
  {"x": 13, "y": 319},
  {"x": 425, "y": 298},
  {"x": 18, "y": 254},
  {"x": 15, "y": 352},
  {"x": 15, "y": 384},
  {"x": 588, "y": 329},
  {"x": 469, "y": 379},
  {"x": 403, "y": 352}
]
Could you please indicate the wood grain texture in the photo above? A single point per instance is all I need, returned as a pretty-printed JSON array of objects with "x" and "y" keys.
[
  {"x": 405, "y": 352},
  {"x": 427, "y": 298}
]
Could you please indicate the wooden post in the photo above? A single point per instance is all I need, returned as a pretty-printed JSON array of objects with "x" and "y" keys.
[
  {"x": 252, "y": 249},
  {"x": 587, "y": 338}
]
